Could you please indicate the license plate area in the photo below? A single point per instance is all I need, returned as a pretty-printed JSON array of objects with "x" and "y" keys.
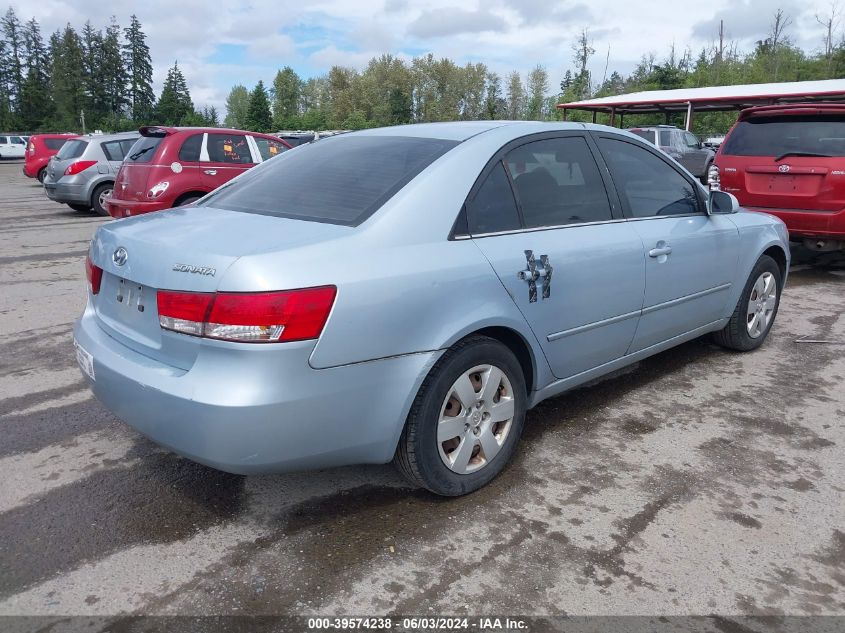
[{"x": 129, "y": 309}]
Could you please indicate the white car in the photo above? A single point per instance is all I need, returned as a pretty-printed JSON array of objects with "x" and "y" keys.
[{"x": 12, "y": 146}]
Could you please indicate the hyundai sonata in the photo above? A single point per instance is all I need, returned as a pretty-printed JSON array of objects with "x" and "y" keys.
[{"x": 408, "y": 293}]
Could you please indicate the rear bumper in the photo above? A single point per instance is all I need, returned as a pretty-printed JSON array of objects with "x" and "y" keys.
[
  {"x": 66, "y": 192},
  {"x": 125, "y": 208},
  {"x": 809, "y": 222},
  {"x": 247, "y": 409},
  {"x": 31, "y": 168}
]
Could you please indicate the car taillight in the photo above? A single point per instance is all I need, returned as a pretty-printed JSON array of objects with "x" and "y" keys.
[
  {"x": 713, "y": 178},
  {"x": 94, "y": 274},
  {"x": 78, "y": 166},
  {"x": 261, "y": 317}
]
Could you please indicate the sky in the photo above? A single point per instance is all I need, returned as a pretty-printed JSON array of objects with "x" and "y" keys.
[{"x": 219, "y": 44}]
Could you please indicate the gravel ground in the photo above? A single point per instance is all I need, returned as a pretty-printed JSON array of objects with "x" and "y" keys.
[{"x": 698, "y": 482}]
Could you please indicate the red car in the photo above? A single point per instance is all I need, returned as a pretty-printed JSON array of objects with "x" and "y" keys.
[
  {"x": 38, "y": 152},
  {"x": 171, "y": 166},
  {"x": 789, "y": 160}
]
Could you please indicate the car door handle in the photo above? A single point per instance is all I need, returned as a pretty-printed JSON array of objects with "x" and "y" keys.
[
  {"x": 661, "y": 250},
  {"x": 210, "y": 172}
]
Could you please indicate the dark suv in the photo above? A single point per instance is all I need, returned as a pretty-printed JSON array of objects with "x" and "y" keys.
[{"x": 681, "y": 145}]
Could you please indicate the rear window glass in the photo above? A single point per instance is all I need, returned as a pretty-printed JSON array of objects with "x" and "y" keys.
[
  {"x": 54, "y": 143},
  {"x": 144, "y": 149},
  {"x": 190, "y": 150},
  {"x": 268, "y": 148},
  {"x": 340, "y": 181},
  {"x": 646, "y": 134},
  {"x": 665, "y": 138},
  {"x": 72, "y": 149},
  {"x": 776, "y": 136}
]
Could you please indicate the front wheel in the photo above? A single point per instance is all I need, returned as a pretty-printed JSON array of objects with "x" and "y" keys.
[
  {"x": 466, "y": 420},
  {"x": 82, "y": 208},
  {"x": 756, "y": 309}
]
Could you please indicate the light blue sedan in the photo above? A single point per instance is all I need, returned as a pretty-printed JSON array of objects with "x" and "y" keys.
[{"x": 407, "y": 294}]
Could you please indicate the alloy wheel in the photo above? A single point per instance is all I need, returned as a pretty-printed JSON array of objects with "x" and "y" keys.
[{"x": 761, "y": 304}]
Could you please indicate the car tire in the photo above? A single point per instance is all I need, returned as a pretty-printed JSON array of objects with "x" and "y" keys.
[
  {"x": 186, "y": 201},
  {"x": 705, "y": 175},
  {"x": 755, "y": 312},
  {"x": 98, "y": 197},
  {"x": 459, "y": 465},
  {"x": 42, "y": 174},
  {"x": 82, "y": 208}
]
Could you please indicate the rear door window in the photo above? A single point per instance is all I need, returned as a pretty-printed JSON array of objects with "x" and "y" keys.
[
  {"x": 113, "y": 151},
  {"x": 269, "y": 148},
  {"x": 558, "y": 182},
  {"x": 72, "y": 149},
  {"x": 54, "y": 143},
  {"x": 229, "y": 148},
  {"x": 144, "y": 149},
  {"x": 190, "y": 150},
  {"x": 647, "y": 183},
  {"x": 648, "y": 135},
  {"x": 493, "y": 208},
  {"x": 4, "y": 140},
  {"x": 339, "y": 180},
  {"x": 665, "y": 138},
  {"x": 780, "y": 135}
]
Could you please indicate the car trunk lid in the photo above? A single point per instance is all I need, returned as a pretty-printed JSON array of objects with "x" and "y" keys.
[{"x": 186, "y": 249}]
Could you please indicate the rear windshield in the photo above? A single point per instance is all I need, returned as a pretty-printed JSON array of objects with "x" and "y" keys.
[
  {"x": 340, "y": 181},
  {"x": 776, "y": 136},
  {"x": 72, "y": 149},
  {"x": 646, "y": 134},
  {"x": 54, "y": 143},
  {"x": 144, "y": 149}
]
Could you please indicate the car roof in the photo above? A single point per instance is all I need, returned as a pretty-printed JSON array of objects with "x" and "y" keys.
[
  {"x": 793, "y": 109},
  {"x": 463, "y": 130}
]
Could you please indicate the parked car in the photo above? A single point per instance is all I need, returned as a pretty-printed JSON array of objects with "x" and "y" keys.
[
  {"x": 12, "y": 146},
  {"x": 713, "y": 142},
  {"x": 40, "y": 148},
  {"x": 407, "y": 293},
  {"x": 787, "y": 160},
  {"x": 171, "y": 167},
  {"x": 81, "y": 175},
  {"x": 681, "y": 145},
  {"x": 294, "y": 138}
]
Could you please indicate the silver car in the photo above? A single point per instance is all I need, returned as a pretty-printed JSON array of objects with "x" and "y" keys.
[
  {"x": 82, "y": 174},
  {"x": 407, "y": 294}
]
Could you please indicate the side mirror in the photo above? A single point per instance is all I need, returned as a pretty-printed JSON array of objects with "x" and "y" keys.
[{"x": 721, "y": 202}]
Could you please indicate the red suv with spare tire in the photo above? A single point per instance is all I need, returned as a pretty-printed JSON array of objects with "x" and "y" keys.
[
  {"x": 171, "y": 167},
  {"x": 789, "y": 160}
]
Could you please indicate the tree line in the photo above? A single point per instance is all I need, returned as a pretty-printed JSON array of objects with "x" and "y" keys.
[
  {"x": 392, "y": 91},
  {"x": 107, "y": 75},
  {"x": 86, "y": 79}
]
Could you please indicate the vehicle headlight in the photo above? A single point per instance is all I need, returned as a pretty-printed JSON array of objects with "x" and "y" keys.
[
  {"x": 713, "y": 178},
  {"x": 158, "y": 189}
]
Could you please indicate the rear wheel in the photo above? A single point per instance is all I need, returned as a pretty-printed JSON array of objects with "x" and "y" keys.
[
  {"x": 706, "y": 175},
  {"x": 42, "y": 174},
  {"x": 98, "y": 198},
  {"x": 82, "y": 208},
  {"x": 756, "y": 309},
  {"x": 466, "y": 420}
]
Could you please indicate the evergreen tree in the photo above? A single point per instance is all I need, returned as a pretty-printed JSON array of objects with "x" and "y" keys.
[
  {"x": 237, "y": 104},
  {"x": 493, "y": 103},
  {"x": 35, "y": 92},
  {"x": 538, "y": 84},
  {"x": 516, "y": 97},
  {"x": 139, "y": 72},
  {"x": 175, "y": 103},
  {"x": 113, "y": 72},
  {"x": 287, "y": 93},
  {"x": 92, "y": 74},
  {"x": 258, "y": 116},
  {"x": 12, "y": 30},
  {"x": 67, "y": 79}
]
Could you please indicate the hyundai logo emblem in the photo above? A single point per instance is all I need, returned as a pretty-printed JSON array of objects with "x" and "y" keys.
[
  {"x": 120, "y": 256},
  {"x": 783, "y": 168}
]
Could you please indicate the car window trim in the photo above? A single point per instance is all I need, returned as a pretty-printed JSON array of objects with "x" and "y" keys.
[
  {"x": 626, "y": 209},
  {"x": 462, "y": 220}
]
